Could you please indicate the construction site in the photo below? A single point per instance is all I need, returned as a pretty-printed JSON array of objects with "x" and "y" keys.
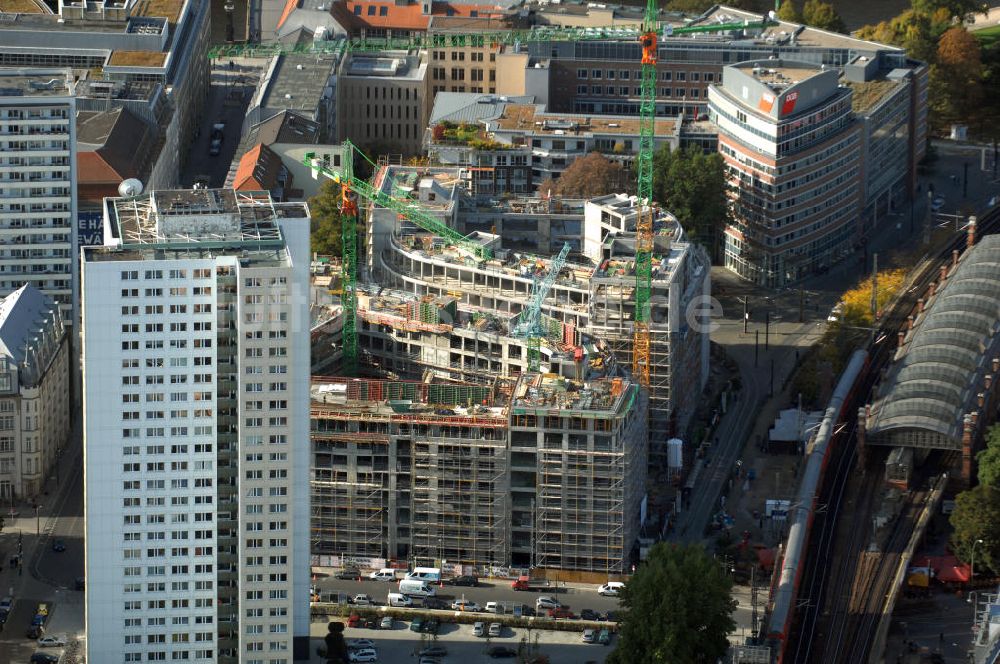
[
  {"x": 582, "y": 330},
  {"x": 537, "y": 470}
]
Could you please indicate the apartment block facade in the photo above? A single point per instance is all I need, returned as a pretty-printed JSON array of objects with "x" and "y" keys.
[
  {"x": 195, "y": 453},
  {"x": 38, "y": 237}
]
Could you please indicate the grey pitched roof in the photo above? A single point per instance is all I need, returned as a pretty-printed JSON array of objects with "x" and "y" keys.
[
  {"x": 472, "y": 106},
  {"x": 30, "y": 323}
]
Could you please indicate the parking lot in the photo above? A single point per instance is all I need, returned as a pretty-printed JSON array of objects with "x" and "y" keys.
[{"x": 399, "y": 644}]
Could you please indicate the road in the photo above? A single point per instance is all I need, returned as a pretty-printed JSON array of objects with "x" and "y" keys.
[
  {"x": 577, "y": 598},
  {"x": 227, "y": 102},
  {"x": 47, "y": 576},
  {"x": 397, "y": 645}
]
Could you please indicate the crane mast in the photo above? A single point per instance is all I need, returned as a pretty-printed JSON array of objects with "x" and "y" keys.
[{"x": 644, "y": 222}]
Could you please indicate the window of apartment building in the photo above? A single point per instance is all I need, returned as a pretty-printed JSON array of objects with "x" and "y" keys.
[
  {"x": 371, "y": 10},
  {"x": 438, "y": 55},
  {"x": 458, "y": 56},
  {"x": 680, "y": 92},
  {"x": 582, "y": 89},
  {"x": 624, "y": 74},
  {"x": 666, "y": 75},
  {"x": 383, "y": 11},
  {"x": 477, "y": 57},
  {"x": 611, "y": 90},
  {"x": 477, "y": 74},
  {"x": 457, "y": 74},
  {"x": 440, "y": 74},
  {"x": 623, "y": 91},
  {"x": 709, "y": 77},
  {"x": 695, "y": 76},
  {"x": 695, "y": 93}
]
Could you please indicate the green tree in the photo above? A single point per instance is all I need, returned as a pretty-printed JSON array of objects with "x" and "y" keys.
[
  {"x": 325, "y": 227},
  {"x": 989, "y": 458},
  {"x": 955, "y": 8},
  {"x": 676, "y": 609},
  {"x": 822, "y": 15},
  {"x": 977, "y": 517},
  {"x": 692, "y": 186},
  {"x": 587, "y": 177},
  {"x": 788, "y": 12}
]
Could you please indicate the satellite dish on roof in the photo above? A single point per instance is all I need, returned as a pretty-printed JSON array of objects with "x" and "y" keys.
[{"x": 130, "y": 187}]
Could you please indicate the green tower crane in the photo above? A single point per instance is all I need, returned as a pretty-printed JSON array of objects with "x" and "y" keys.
[
  {"x": 351, "y": 188},
  {"x": 644, "y": 222}
]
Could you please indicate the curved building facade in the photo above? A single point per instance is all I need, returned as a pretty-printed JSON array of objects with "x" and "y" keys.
[{"x": 793, "y": 153}]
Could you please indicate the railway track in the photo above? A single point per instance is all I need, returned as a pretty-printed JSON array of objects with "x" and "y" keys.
[{"x": 837, "y": 625}]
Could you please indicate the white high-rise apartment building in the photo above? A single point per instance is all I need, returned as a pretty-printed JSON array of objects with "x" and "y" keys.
[
  {"x": 196, "y": 429},
  {"x": 38, "y": 183}
]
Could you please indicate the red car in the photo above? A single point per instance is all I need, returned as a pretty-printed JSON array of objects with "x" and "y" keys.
[
  {"x": 561, "y": 612},
  {"x": 353, "y": 620}
]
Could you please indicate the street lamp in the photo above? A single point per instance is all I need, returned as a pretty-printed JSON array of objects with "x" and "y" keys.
[{"x": 972, "y": 565}]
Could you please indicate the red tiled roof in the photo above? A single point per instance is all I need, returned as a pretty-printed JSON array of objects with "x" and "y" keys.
[
  {"x": 258, "y": 169},
  {"x": 93, "y": 169},
  {"x": 406, "y": 17}
]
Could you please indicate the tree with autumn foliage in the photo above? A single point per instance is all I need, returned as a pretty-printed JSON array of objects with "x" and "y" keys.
[
  {"x": 956, "y": 77},
  {"x": 587, "y": 177},
  {"x": 857, "y": 302}
]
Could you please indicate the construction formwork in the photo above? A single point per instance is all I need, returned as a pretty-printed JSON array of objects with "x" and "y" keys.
[
  {"x": 591, "y": 471},
  {"x": 410, "y": 471}
]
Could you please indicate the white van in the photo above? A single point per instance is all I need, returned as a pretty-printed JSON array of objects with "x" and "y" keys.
[
  {"x": 428, "y": 574},
  {"x": 416, "y": 587},
  {"x": 494, "y": 607},
  {"x": 399, "y": 599},
  {"x": 384, "y": 574}
]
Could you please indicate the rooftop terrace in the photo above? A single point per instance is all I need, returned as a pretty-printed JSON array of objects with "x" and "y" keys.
[
  {"x": 869, "y": 94},
  {"x": 778, "y": 77},
  {"x": 532, "y": 118}
]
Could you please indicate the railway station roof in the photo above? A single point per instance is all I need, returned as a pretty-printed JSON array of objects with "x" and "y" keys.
[{"x": 935, "y": 377}]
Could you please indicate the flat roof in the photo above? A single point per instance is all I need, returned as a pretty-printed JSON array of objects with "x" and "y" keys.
[
  {"x": 550, "y": 392},
  {"x": 869, "y": 94},
  {"x": 804, "y": 35},
  {"x": 778, "y": 77},
  {"x": 24, "y": 7},
  {"x": 221, "y": 217},
  {"x": 137, "y": 59},
  {"x": 168, "y": 9},
  {"x": 387, "y": 64},
  {"x": 298, "y": 81},
  {"x": 340, "y": 397},
  {"x": 35, "y": 83},
  {"x": 532, "y": 118}
]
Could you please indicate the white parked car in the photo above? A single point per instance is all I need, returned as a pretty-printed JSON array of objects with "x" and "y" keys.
[
  {"x": 52, "y": 641},
  {"x": 361, "y": 644},
  {"x": 479, "y": 629},
  {"x": 611, "y": 589},
  {"x": 366, "y": 655},
  {"x": 547, "y": 603}
]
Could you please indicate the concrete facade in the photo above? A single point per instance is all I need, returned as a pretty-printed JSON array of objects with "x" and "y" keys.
[{"x": 195, "y": 452}]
